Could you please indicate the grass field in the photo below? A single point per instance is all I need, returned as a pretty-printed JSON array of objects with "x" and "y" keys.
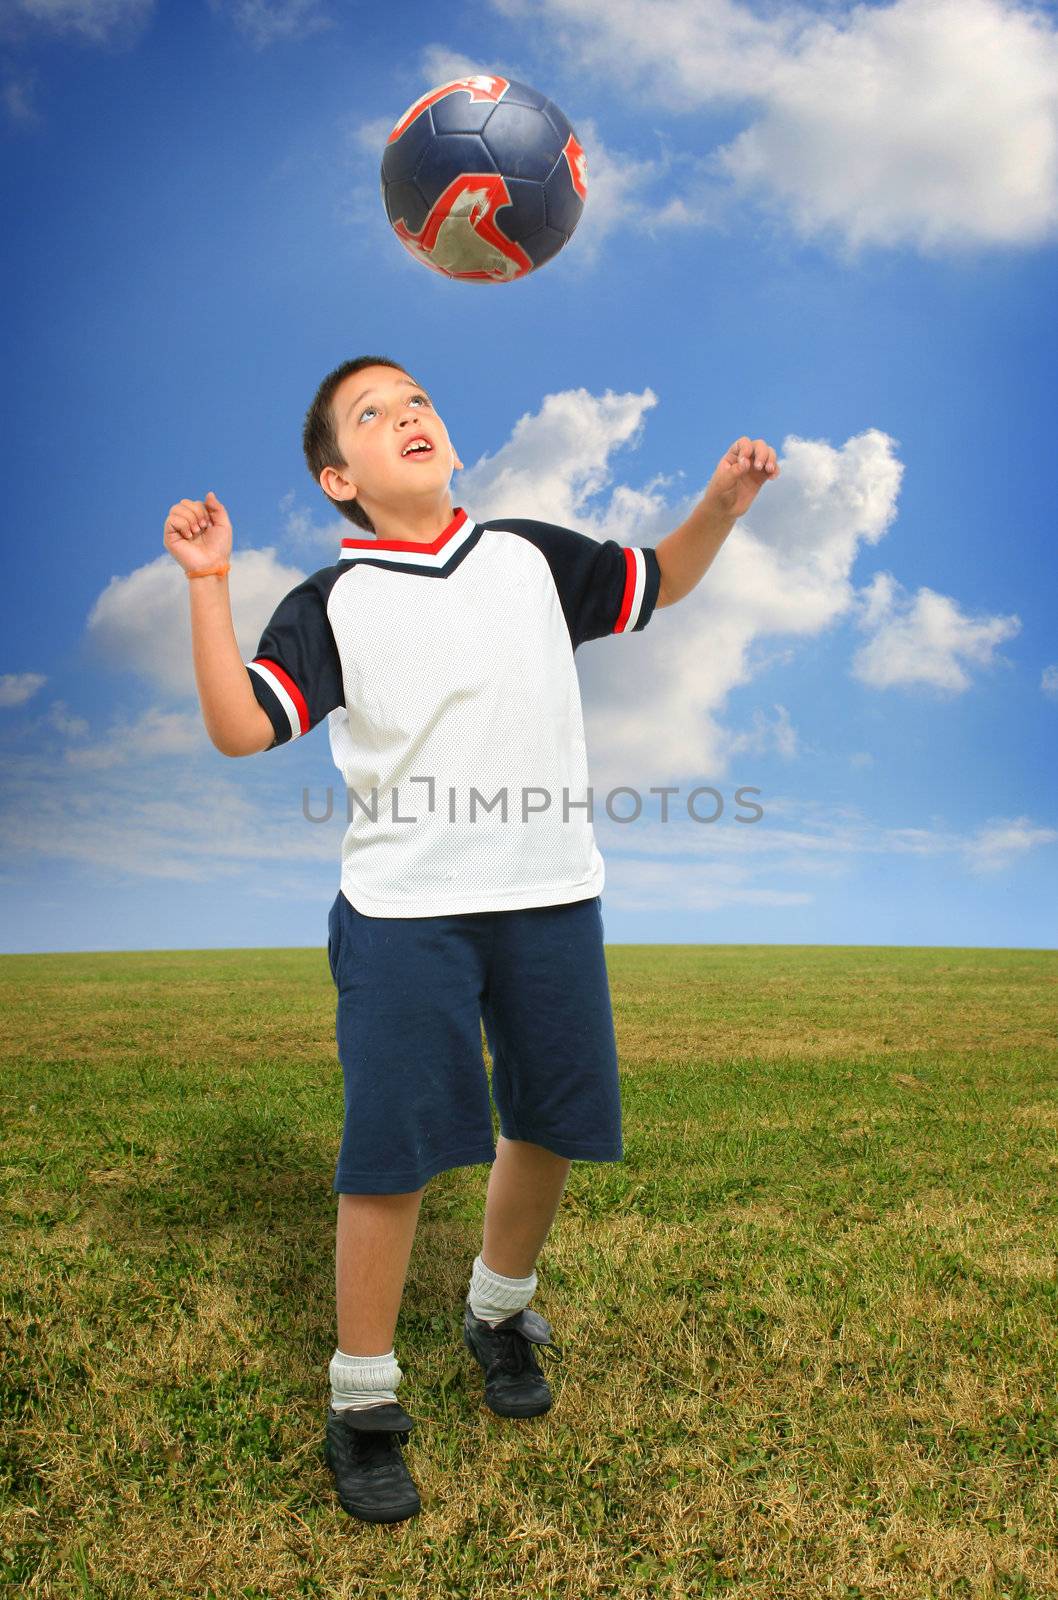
[{"x": 809, "y": 1324}]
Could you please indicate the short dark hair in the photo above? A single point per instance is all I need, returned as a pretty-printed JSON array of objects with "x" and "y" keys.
[{"x": 319, "y": 436}]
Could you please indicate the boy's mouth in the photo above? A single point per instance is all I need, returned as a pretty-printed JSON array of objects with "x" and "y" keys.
[{"x": 416, "y": 448}]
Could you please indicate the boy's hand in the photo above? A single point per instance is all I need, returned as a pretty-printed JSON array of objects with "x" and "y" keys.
[
  {"x": 198, "y": 533},
  {"x": 737, "y": 480}
]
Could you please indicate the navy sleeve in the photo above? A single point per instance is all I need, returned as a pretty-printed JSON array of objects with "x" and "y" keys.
[
  {"x": 605, "y": 587},
  {"x": 296, "y": 672}
]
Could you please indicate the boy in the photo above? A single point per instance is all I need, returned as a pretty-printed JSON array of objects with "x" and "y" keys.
[{"x": 440, "y": 650}]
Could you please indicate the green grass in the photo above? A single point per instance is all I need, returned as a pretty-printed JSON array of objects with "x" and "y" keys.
[{"x": 808, "y": 1324}]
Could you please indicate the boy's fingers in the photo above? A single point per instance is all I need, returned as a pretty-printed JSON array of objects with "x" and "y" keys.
[{"x": 182, "y": 521}]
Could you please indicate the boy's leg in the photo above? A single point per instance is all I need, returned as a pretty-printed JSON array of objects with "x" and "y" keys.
[
  {"x": 525, "y": 1187},
  {"x": 375, "y": 1233}
]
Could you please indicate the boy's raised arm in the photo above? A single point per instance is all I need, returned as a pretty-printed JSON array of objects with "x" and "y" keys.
[{"x": 198, "y": 535}]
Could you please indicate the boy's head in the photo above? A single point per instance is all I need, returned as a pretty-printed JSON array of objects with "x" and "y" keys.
[{"x": 364, "y": 413}]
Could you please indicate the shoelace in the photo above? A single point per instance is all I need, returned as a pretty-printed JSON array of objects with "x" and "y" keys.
[
  {"x": 368, "y": 1449},
  {"x": 517, "y": 1353}
]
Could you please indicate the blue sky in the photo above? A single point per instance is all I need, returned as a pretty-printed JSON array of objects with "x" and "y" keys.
[{"x": 830, "y": 227}]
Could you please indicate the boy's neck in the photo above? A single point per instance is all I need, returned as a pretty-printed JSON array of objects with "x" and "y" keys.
[{"x": 414, "y": 525}]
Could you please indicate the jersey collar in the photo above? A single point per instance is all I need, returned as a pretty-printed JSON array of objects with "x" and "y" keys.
[{"x": 416, "y": 551}]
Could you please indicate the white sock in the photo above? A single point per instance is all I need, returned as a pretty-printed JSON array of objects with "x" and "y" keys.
[
  {"x": 492, "y": 1297},
  {"x": 363, "y": 1380}
]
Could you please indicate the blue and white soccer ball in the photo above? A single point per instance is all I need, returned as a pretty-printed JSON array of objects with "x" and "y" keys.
[{"x": 483, "y": 179}]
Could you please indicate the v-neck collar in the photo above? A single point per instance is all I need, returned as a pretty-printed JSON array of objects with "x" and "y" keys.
[{"x": 428, "y": 547}]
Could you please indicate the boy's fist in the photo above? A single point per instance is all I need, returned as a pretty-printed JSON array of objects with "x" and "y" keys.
[{"x": 198, "y": 533}]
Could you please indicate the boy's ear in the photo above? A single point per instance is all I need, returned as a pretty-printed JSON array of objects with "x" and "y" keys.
[
  {"x": 455, "y": 459},
  {"x": 328, "y": 491}
]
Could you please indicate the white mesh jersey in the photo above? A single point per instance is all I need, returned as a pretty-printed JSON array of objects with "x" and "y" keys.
[{"x": 446, "y": 673}]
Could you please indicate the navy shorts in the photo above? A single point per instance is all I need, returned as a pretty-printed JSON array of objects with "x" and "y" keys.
[{"x": 412, "y": 995}]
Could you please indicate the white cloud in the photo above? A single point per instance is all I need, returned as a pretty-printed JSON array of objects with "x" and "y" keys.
[
  {"x": 319, "y": 543},
  {"x": 17, "y": 99},
  {"x": 928, "y": 123},
  {"x": 439, "y": 64},
  {"x": 98, "y": 21},
  {"x": 923, "y": 638},
  {"x": 216, "y": 820},
  {"x": 60, "y": 718},
  {"x": 152, "y": 734},
  {"x": 700, "y": 864},
  {"x": 1049, "y": 681},
  {"x": 1000, "y": 843},
  {"x": 784, "y": 569},
  {"x": 202, "y": 821},
  {"x": 645, "y": 885},
  {"x": 555, "y": 458},
  {"x": 142, "y": 623},
  {"x": 624, "y": 194},
  {"x": 263, "y": 22},
  {"x": 687, "y": 865},
  {"x": 779, "y": 735},
  {"x": 18, "y": 687}
]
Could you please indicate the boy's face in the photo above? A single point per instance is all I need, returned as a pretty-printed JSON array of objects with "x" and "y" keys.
[{"x": 377, "y": 411}]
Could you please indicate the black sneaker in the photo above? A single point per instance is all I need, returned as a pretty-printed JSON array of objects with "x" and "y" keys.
[
  {"x": 514, "y": 1383},
  {"x": 363, "y": 1449}
]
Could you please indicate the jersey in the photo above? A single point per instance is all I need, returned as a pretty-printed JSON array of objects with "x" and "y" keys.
[{"x": 446, "y": 673}]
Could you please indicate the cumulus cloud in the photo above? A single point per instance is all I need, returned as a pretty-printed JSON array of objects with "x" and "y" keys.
[
  {"x": 784, "y": 570},
  {"x": 924, "y": 638},
  {"x": 318, "y": 542},
  {"x": 557, "y": 457},
  {"x": 18, "y": 687},
  {"x": 777, "y": 733},
  {"x": 998, "y": 844},
  {"x": 16, "y": 96},
  {"x": 153, "y": 733},
  {"x": 72, "y": 726},
  {"x": 685, "y": 865},
  {"x": 640, "y": 195},
  {"x": 141, "y": 623},
  {"x": 656, "y": 702},
  {"x": 106, "y": 22},
  {"x": 784, "y": 573},
  {"x": 439, "y": 64},
  {"x": 1049, "y": 681},
  {"x": 926, "y": 123},
  {"x": 95, "y": 21},
  {"x": 265, "y": 22},
  {"x": 187, "y": 820},
  {"x": 203, "y": 822}
]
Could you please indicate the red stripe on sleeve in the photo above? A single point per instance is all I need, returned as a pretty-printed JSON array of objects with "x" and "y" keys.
[
  {"x": 291, "y": 688},
  {"x": 630, "y": 589}
]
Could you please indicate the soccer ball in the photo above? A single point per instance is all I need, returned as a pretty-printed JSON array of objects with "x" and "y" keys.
[{"x": 483, "y": 179}]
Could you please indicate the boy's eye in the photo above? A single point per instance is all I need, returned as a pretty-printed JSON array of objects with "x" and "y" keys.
[{"x": 366, "y": 409}]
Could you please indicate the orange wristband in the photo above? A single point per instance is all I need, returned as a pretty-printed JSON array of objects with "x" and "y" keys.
[{"x": 211, "y": 572}]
